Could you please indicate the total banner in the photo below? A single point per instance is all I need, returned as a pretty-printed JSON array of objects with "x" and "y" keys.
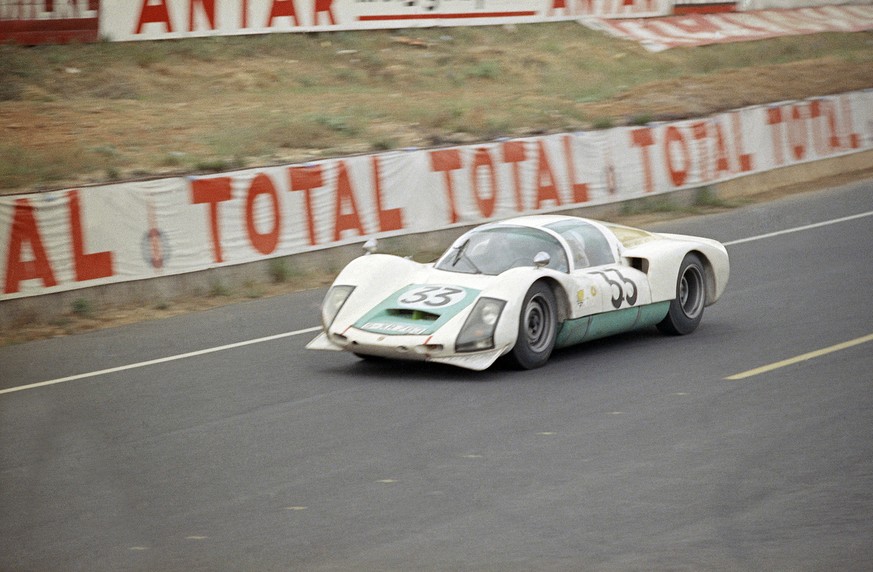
[
  {"x": 75, "y": 238},
  {"x": 123, "y": 20},
  {"x": 658, "y": 34}
]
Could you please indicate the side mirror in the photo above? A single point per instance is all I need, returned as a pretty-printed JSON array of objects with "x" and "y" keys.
[
  {"x": 542, "y": 259},
  {"x": 370, "y": 246}
]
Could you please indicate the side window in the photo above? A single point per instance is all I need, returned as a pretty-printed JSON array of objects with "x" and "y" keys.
[{"x": 587, "y": 244}]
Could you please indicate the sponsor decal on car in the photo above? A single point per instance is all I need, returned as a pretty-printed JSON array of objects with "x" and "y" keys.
[{"x": 394, "y": 328}]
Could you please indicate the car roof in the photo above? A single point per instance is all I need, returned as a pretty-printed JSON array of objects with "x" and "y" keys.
[{"x": 540, "y": 221}]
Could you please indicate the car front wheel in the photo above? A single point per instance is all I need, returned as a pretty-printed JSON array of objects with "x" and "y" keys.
[
  {"x": 537, "y": 328},
  {"x": 686, "y": 310}
]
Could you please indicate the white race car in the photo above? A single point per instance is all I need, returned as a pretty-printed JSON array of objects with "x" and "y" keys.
[{"x": 520, "y": 288}]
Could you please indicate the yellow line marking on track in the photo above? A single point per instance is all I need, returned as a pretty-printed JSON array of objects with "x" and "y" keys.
[{"x": 801, "y": 358}]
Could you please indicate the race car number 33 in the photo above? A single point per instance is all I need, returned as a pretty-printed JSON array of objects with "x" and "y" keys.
[{"x": 431, "y": 297}]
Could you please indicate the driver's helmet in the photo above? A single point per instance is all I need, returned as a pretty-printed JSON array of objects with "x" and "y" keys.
[{"x": 577, "y": 248}]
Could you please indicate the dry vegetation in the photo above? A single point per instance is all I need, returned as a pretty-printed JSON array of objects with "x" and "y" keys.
[{"x": 72, "y": 115}]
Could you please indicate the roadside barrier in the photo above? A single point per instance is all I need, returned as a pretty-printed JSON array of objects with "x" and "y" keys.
[{"x": 78, "y": 238}]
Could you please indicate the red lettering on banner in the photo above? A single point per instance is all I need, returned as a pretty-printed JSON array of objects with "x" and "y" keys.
[
  {"x": 744, "y": 25},
  {"x": 154, "y": 14},
  {"x": 693, "y": 25},
  {"x": 854, "y": 139},
  {"x": 606, "y": 7},
  {"x": 547, "y": 190},
  {"x": 700, "y": 132},
  {"x": 722, "y": 159},
  {"x": 445, "y": 161},
  {"x": 644, "y": 139},
  {"x": 819, "y": 142},
  {"x": 833, "y": 124},
  {"x": 212, "y": 192},
  {"x": 26, "y": 230},
  {"x": 513, "y": 153},
  {"x": 774, "y": 120},
  {"x": 744, "y": 159},
  {"x": 345, "y": 194},
  {"x": 266, "y": 242},
  {"x": 283, "y": 8},
  {"x": 391, "y": 219},
  {"x": 88, "y": 266},
  {"x": 482, "y": 159},
  {"x": 322, "y": 6},
  {"x": 557, "y": 5},
  {"x": 208, "y": 8},
  {"x": 842, "y": 136},
  {"x": 798, "y": 125},
  {"x": 839, "y": 131},
  {"x": 579, "y": 190},
  {"x": 672, "y": 139},
  {"x": 797, "y": 135},
  {"x": 305, "y": 179}
]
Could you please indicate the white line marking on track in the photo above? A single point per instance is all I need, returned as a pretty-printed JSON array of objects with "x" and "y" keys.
[
  {"x": 316, "y": 328},
  {"x": 799, "y": 228},
  {"x": 159, "y": 360}
]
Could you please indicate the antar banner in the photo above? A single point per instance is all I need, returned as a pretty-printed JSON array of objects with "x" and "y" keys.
[
  {"x": 76, "y": 238},
  {"x": 162, "y": 19}
]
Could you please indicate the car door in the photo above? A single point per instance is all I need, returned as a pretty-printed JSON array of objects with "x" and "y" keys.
[{"x": 609, "y": 292}]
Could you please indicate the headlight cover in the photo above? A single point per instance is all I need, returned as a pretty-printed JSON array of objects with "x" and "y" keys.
[
  {"x": 333, "y": 303},
  {"x": 477, "y": 334}
]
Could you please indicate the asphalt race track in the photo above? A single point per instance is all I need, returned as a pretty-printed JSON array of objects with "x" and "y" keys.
[{"x": 632, "y": 453}]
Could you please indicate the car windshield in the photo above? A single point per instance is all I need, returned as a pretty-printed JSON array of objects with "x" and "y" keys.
[{"x": 493, "y": 250}]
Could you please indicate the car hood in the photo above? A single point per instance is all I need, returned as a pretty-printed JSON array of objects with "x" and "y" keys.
[
  {"x": 429, "y": 299},
  {"x": 417, "y": 309}
]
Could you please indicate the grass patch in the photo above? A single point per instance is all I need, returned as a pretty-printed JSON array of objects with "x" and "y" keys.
[
  {"x": 603, "y": 123},
  {"x": 227, "y": 102},
  {"x": 253, "y": 290},
  {"x": 707, "y": 198},
  {"x": 279, "y": 270},
  {"x": 20, "y": 166},
  {"x": 649, "y": 205},
  {"x": 217, "y": 288},
  {"x": 83, "y": 308}
]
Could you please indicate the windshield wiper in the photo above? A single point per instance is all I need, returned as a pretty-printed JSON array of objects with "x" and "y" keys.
[{"x": 461, "y": 253}]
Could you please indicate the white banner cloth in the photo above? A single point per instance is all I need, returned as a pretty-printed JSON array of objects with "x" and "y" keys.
[{"x": 657, "y": 34}]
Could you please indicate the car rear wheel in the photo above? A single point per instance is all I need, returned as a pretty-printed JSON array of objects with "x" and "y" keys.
[
  {"x": 537, "y": 328},
  {"x": 686, "y": 310}
]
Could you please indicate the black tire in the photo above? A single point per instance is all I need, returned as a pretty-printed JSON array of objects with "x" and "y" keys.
[
  {"x": 686, "y": 310},
  {"x": 537, "y": 328}
]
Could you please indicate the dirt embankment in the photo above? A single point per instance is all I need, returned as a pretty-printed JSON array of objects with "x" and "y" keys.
[{"x": 73, "y": 115}]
